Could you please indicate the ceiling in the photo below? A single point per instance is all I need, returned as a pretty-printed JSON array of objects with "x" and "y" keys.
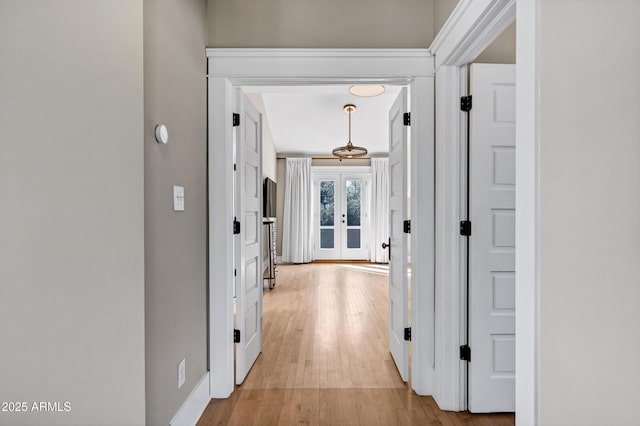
[{"x": 311, "y": 120}]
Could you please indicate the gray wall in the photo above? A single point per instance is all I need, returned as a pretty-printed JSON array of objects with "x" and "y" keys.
[
  {"x": 441, "y": 11},
  {"x": 590, "y": 199},
  {"x": 175, "y": 242},
  {"x": 327, "y": 23},
  {"x": 502, "y": 50},
  {"x": 71, "y": 185}
]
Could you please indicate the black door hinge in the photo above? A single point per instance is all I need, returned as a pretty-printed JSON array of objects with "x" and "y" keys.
[
  {"x": 236, "y": 336},
  {"x": 236, "y": 226},
  {"x": 235, "y": 272},
  {"x": 407, "y": 334},
  {"x": 465, "y": 228},
  {"x": 465, "y": 353},
  {"x": 407, "y": 226},
  {"x": 406, "y": 119},
  {"x": 236, "y": 119},
  {"x": 465, "y": 103},
  {"x": 234, "y": 167}
]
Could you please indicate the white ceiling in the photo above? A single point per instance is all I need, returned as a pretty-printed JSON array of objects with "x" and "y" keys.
[{"x": 310, "y": 119}]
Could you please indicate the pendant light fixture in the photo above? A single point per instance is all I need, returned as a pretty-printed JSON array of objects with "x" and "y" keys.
[{"x": 349, "y": 150}]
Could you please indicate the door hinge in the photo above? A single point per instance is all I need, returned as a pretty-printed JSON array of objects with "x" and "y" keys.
[
  {"x": 465, "y": 353},
  {"x": 465, "y": 228},
  {"x": 236, "y": 336},
  {"x": 406, "y": 119},
  {"x": 236, "y": 119},
  {"x": 465, "y": 103},
  {"x": 407, "y": 226},
  {"x": 234, "y": 167},
  {"x": 236, "y": 226},
  {"x": 407, "y": 334},
  {"x": 235, "y": 272}
]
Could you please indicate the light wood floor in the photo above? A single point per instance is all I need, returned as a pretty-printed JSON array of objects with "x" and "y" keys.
[{"x": 325, "y": 358}]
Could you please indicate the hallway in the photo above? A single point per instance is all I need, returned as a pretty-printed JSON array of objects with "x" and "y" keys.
[{"x": 325, "y": 357}]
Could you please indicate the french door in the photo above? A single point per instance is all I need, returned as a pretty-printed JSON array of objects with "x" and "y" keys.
[{"x": 341, "y": 216}]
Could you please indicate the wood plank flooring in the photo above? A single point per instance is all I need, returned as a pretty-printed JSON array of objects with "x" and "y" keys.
[{"x": 325, "y": 358}]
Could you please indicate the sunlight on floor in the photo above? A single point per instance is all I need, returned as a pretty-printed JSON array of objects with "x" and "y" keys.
[{"x": 376, "y": 268}]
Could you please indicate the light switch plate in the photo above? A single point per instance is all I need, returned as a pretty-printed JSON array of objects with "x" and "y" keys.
[{"x": 178, "y": 198}]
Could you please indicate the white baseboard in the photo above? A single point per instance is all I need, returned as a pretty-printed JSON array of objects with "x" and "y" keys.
[
  {"x": 194, "y": 406},
  {"x": 279, "y": 259}
]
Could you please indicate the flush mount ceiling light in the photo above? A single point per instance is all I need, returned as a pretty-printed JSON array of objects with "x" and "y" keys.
[
  {"x": 367, "y": 90},
  {"x": 349, "y": 150}
]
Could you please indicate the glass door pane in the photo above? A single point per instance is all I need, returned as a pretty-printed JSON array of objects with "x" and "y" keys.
[
  {"x": 353, "y": 192},
  {"x": 327, "y": 214}
]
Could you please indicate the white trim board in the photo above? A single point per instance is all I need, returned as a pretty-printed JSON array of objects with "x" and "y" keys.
[
  {"x": 470, "y": 29},
  {"x": 229, "y": 68},
  {"x": 527, "y": 211},
  {"x": 195, "y": 404},
  {"x": 472, "y": 26},
  {"x": 323, "y": 66}
]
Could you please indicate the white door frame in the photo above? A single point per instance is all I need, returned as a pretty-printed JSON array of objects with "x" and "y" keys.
[
  {"x": 229, "y": 68},
  {"x": 472, "y": 26}
]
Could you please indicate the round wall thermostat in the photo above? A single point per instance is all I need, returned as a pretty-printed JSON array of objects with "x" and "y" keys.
[{"x": 162, "y": 135}]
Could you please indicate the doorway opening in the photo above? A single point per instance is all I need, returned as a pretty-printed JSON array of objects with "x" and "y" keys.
[
  {"x": 233, "y": 68},
  {"x": 342, "y": 201},
  {"x": 434, "y": 349},
  {"x": 489, "y": 297}
]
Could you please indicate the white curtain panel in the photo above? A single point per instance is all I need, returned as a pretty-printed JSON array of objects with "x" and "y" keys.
[
  {"x": 297, "y": 235},
  {"x": 379, "y": 209}
]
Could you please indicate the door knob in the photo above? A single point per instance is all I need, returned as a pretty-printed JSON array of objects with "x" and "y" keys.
[{"x": 387, "y": 245}]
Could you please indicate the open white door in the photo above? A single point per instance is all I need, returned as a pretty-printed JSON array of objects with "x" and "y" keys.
[
  {"x": 398, "y": 289},
  {"x": 492, "y": 242},
  {"x": 248, "y": 242}
]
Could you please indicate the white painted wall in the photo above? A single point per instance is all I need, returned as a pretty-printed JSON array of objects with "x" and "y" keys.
[{"x": 590, "y": 204}]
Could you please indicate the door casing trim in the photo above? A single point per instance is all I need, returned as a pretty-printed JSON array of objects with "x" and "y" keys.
[
  {"x": 229, "y": 68},
  {"x": 471, "y": 27}
]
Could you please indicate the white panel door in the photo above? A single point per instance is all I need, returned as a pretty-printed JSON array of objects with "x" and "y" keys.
[
  {"x": 249, "y": 241},
  {"x": 492, "y": 242},
  {"x": 398, "y": 283}
]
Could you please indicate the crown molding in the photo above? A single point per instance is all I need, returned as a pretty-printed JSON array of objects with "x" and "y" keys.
[{"x": 472, "y": 26}]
